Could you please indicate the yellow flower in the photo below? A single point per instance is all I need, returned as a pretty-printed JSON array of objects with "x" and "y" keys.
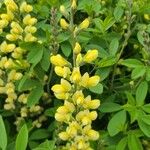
[
  {"x": 90, "y": 56},
  {"x": 7, "y": 48},
  {"x": 6, "y": 17},
  {"x": 11, "y": 5},
  {"x": 78, "y": 98},
  {"x": 62, "y": 71},
  {"x": 87, "y": 81},
  {"x": 3, "y": 23},
  {"x": 58, "y": 60},
  {"x": 64, "y": 24},
  {"x": 64, "y": 87},
  {"x": 77, "y": 48},
  {"x": 25, "y": 7},
  {"x": 30, "y": 38},
  {"x": 12, "y": 37},
  {"x": 92, "y": 135},
  {"x": 85, "y": 24},
  {"x": 27, "y": 20},
  {"x": 30, "y": 29},
  {"x": 64, "y": 136},
  {"x": 79, "y": 59},
  {"x": 16, "y": 28},
  {"x": 93, "y": 81},
  {"x": 76, "y": 75}
]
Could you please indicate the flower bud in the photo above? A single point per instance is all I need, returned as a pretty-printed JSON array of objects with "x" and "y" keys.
[
  {"x": 64, "y": 136},
  {"x": 85, "y": 24},
  {"x": 64, "y": 24},
  {"x": 76, "y": 75},
  {"x": 74, "y": 4},
  {"x": 58, "y": 60},
  {"x": 90, "y": 56},
  {"x": 77, "y": 48}
]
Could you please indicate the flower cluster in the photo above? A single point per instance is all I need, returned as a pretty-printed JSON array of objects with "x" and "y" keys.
[
  {"x": 78, "y": 110},
  {"x": 16, "y": 26}
]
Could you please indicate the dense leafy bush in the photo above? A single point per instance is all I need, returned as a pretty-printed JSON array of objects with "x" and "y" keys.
[{"x": 93, "y": 54}]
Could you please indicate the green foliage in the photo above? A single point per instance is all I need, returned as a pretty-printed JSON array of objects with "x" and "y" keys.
[{"x": 120, "y": 30}]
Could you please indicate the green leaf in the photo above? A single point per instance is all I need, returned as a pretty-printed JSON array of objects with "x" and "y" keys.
[
  {"x": 141, "y": 93},
  {"x": 145, "y": 128},
  {"x": 27, "y": 84},
  {"x": 35, "y": 55},
  {"x": 66, "y": 48},
  {"x": 106, "y": 62},
  {"x": 3, "y": 135},
  {"x": 22, "y": 138},
  {"x": 50, "y": 112},
  {"x": 138, "y": 72},
  {"x": 140, "y": 37},
  {"x": 132, "y": 63},
  {"x": 114, "y": 45},
  {"x": 122, "y": 144},
  {"x": 146, "y": 119},
  {"x": 130, "y": 98},
  {"x": 110, "y": 107},
  {"x": 35, "y": 52},
  {"x": 108, "y": 22},
  {"x": 117, "y": 123},
  {"x": 98, "y": 89},
  {"x": 39, "y": 134},
  {"x": 134, "y": 142},
  {"x": 47, "y": 145},
  {"x": 146, "y": 108},
  {"x": 103, "y": 73},
  {"x": 148, "y": 74},
  {"x": 45, "y": 62},
  {"x": 118, "y": 12},
  {"x": 35, "y": 95}
]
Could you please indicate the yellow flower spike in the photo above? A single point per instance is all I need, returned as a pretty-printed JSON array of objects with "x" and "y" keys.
[
  {"x": 58, "y": 60},
  {"x": 66, "y": 85},
  {"x": 27, "y": 20},
  {"x": 74, "y": 4},
  {"x": 64, "y": 24},
  {"x": 85, "y": 24},
  {"x": 76, "y": 75},
  {"x": 90, "y": 56},
  {"x": 62, "y": 71},
  {"x": 64, "y": 136},
  {"x": 93, "y": 135},
  {"x": 77, "y": 48},
  {"x": 93, "y": 81}
]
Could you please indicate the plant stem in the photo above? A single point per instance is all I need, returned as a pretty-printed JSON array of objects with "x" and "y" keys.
[{"x": 127, "y": 36}]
